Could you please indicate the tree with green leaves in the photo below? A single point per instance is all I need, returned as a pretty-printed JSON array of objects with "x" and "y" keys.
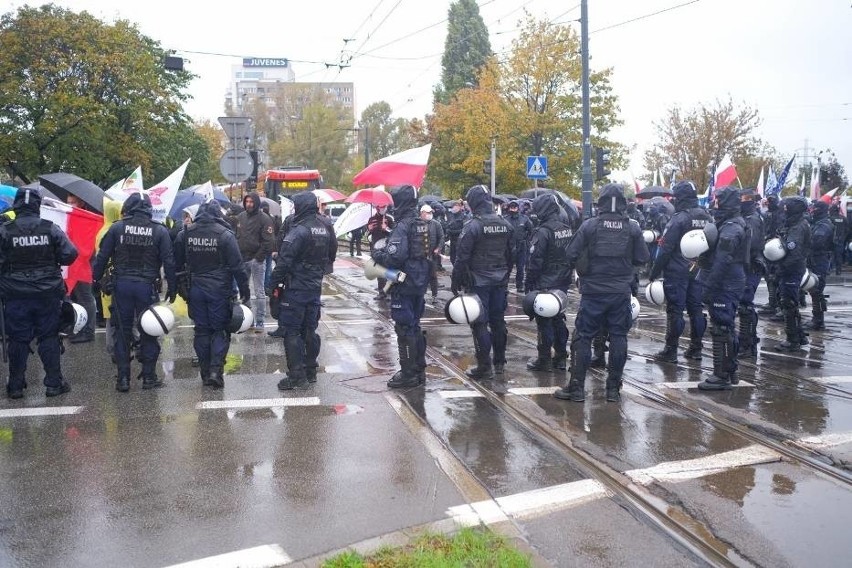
[
  {"x": 85, "y": 97},
  {"x": 466, "y": 50}
]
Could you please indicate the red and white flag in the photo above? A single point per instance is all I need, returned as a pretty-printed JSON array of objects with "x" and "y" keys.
[
  {"x": 163, "y": 194},
  {"x": 759, "y": 188},
  {"x": 829, "y": 195},
  {"x": 815, "y": 184},
  {"x": 404, "y": 168},
  {"x": 82, "y": 227},
  {"x": 124, "y": 187},
  {"x": 726, "y": 173}
]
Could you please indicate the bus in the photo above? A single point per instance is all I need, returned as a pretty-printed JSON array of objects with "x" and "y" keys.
[{"x": 289, "y": 180}]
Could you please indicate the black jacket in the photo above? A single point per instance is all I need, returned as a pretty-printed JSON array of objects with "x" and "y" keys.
[
  {"x": 548, "y": 266},
  {"x": 485, "y": 247},
  {"x": 307, "y": 249}
]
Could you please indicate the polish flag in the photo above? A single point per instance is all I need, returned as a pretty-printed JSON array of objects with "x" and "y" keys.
[
  {"x": 404, "y": 168},
  {"x": 829, "y": 195},
  {"x": 82, "y": 227},
  {"x": 815, "y": 184},
  {"x": 759, "y": 188},
  {"x": 124, "y": 187},
  {"x": 163, "y": 194},
  {"x": 726, "y": 173}
]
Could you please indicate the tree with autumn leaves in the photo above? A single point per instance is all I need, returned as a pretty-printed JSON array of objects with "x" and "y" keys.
[{"x": 528, "y": 101}]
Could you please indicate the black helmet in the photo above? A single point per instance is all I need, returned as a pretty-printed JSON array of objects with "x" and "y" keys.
[
  {"x": 728, "y": 198},
  {"x": 795, "y": 204},
  {"x": 684, "y": 189}
]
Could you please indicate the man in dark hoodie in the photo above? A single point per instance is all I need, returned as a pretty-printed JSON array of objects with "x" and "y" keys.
[
  {"x": 32, "y": 252},
  {"x": 548, "y": 269},
  {"x": 606, "y": 251},
  {"x": 206, "y": 250},
  {"x": 485, "y": 250},
  {"x": 724, "y": 279},
  {"x": 138, "y": 248},
  {"x": 307, "y": 249},
  {"x": 256, "y": 237},
  {"x": 408, "y": 249}
]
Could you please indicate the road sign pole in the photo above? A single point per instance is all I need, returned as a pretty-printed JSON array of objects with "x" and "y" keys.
[
  {"x": 493, "y": 166},
  {"x": 587, "y": 143}
]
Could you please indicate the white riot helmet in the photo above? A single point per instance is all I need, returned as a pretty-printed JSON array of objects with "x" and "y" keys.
[
  {"x": 654, "y": 293},
  {"x": 693, "y": 244},
  {"x": 774, "y": 250},
  {"x": 157, "y": 321},
  {"x": 809, "y": 280},
  {"x": 73, "y": 318},
  {"x": 634, "y": 307},
  {"x": 242, "y": 318},
  {"x": 466, "y": 308},
  {"x": 650, "y": 236},
  {"x": 850, "y": 247},
  {"x": 550, "y": 303}
]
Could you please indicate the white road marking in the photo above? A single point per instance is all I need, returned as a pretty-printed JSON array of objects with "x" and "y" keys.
[
  {"x": 460, "y": 394},
  {"x": 526, "y": 391},
  {"x": 258, "y": 403},
  {"x": 40, "y": 411},
  {"x": 826, "y": 440},
  {"x": 265, "y": 556},
  {"x": 701, "y": 467},
  {"x": 694, "y": 385},
  {"x": 832, "y": 380}
]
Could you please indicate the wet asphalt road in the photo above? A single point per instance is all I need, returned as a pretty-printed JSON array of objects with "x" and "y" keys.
[{"x": 157, "y": 478}]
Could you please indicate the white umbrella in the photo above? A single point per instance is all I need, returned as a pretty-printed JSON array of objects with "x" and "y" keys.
[
  {"x": 355, "y": 216},
  {"x": 287, "y": 206}
]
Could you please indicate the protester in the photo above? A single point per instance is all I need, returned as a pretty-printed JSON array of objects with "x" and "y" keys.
[
  {"x": 379, "y": 227},
  {"x": 522, "y": 230},
  {"x": 255, "y": 236},
  {"x": 436, "y": 242}
]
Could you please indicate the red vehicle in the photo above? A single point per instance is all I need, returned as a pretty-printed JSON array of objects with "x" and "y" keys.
[{"x": 287, "y": 181}]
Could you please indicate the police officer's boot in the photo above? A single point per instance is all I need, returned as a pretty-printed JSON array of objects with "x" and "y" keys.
[
  {"x": 542, "y": 362},
  {"x": 669, "y": 352},
  {"x": 483, "y": 370},
  {"x": 723, "y": 353},
  {"x": 771, "y": 306},
  {"x": 499, "y": 338},
  {"x": 421, "y": 358},
  {"x": 791, "y": 329},
  {"x": 560, "y": 360},
  {"x": 150, "y": 380},
  {"x": 296, "y": 377},
  {"x": 598, "y": 360},
  {"x": 694, "y": 350},
  {"x": 122, "y": 384},
  {"x": 746, "y": 338},
  {"x": 409, "y": 348},
  {"x": 576, "y": 387},
  {"x": 613, "y": 387},
  {"x": 818, "y": 313}
]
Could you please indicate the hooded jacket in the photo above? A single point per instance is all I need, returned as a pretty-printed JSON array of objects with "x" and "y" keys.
[
  {"x": 485, "y": 246},
  {"x": 207, "y": 250},
  {"x": 688, "y": 216},
  {"x": 548, "y": 266},
  {"x": 308, "y": 247},
  {"x": 796, "y": 235},
  {"x": 727, "y": 260},
  {"x": 32, "y": 251},
  {"x": 822, "y": 241},
  {"x": 137, "y": 246},
  {"x": 255, "y": 231},
  {"x": 409, "y": 247}
]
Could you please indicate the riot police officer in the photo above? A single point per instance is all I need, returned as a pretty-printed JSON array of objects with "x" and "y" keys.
[
  {"x": 408, "y": 249},
  {"x": 796, "y": 238},
  {"x": 457, "y": 216},
  {"x": 680, "y": 285},
  {"x": 138, "y": 248},
  {"x": 606, "y": 251},
  {"x": 841, "y": 232},
  {"x": 755, "y": 268},
  {"x": 32, "y": 252},
  {"x": 208, "y": 260},
  {"x": 522, "y": 230},
  {"x": 724, "y": 279},
  {"x": 548, "y": 269},
  {"x": 485, "y": 249},
  {"x": 819, "y": 260},
  {"x": 773, "y": 224},
  {"x": 307, "y": 249}
]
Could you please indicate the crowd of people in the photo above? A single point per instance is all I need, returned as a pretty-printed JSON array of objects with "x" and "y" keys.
[{"x": 217, "y": 261}]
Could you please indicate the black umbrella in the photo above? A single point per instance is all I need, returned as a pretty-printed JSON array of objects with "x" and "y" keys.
[
  {"x": 564, "y": 199},
  {"x": 41, "y": 189},
  {"x": 62, "y": 184},
  {"x": 653, "y": 191},
  {"x": 664, "y": 203}
]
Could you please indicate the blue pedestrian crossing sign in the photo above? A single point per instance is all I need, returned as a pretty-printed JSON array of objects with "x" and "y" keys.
[{"x": 537, "y": 167}]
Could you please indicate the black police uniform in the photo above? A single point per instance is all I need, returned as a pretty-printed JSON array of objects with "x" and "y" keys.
[
  {"x": 841, "y": 232},
  {"x": 680, "y": 285},
  {"x": 454, "y": 224},
  {"x": 819, "y": 260},
  {"x": 773, "y": 224},
  {"x": 796, "y": 237},
  {"x": 208, "y": 258},
  {"x": 755, "y": 268},
  {"x": 724, "y": 278},
  {"x": 485, "y": 249},
  {"x": 408, "y": 249},
  {"x": 306, "y": 251},
  {"x": 32, "y": 252},
  {"x": 548, "y": 269},
  {"x": 522, "y": 231},
  {"x": 137, "y": 247},
  {"x": 606, "y": 251}
]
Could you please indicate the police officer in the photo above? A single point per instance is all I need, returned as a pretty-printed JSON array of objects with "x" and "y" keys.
[
  {"x": 681, "y": 288},
  {"x": 773, "y": 224},
  {"x": 523, "y": 229},
  {"x": 819, "y": 260},
  {"x": 724, "y": 280},
  {"x": 605, "y": 251},
  {"x": 548, "y": 269},
  {"x": 408, "y": 249},
  {"x": 436, "y": 242},
  {"x": 485, "y": 250},
  {"x": 841, "y": 231},
  {"x": 307, "y": 249},
  {"x": 138, "y": 248},
  {"x": 796, "y": 237},
  {"x": 32, "y": 252},
  {"x": 208, "y": 258},
  {"x": 755, "y": 268},
  {"x": 457, "y": 216}
]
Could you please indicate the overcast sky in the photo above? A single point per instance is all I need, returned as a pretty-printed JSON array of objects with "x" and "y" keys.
[{"x": 790, "y": 59}]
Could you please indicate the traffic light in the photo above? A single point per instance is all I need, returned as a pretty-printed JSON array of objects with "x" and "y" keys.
[
  {"x": 486, "y": 167},
  {"x": 601, "y": 163}
]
